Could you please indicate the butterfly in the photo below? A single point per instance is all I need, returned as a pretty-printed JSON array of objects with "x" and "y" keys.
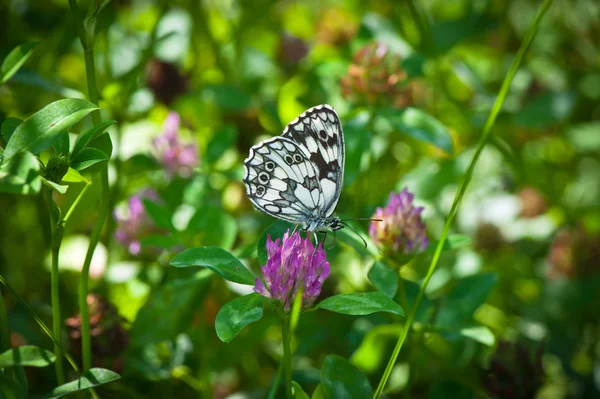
[{"x": 298, "y": 176}]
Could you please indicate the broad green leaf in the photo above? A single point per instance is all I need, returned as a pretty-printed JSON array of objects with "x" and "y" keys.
[
  {"x": 92, "y": 378},
  {"x": 458, "y": 306},
  {"x": 74, "y": 176},
  {"x": 9, "y": 126},
  {"x": 372, "y": 352},
  {"x": 298, "y": 391},
  {"x": 275, "y": 231},
  {"x": 359, "y": 304},
  {"x": 88, "y": 157},
  {"x": 20, "y": 175},
  {"x": 340, "y": 379},
  {"x": 84, "y": 138},
  {"x": 27, "y": 355},
  {"x": 213, "y": 227},
  {"x": 170, "y": 309},
  {"x": 216, "y": 259},
  {"x": 62, "y": 143},
  {"x": 102, "y": 143},
  {"x": 237, "y": 314},
  {"x": 39, "y": 131},
  {"x": 420, "y": 125},
  {"x": 15, "y": 60},
  {"x": 384, "y": 279},
  {"x": 159, "y": 214},
  {"x": 55, "y": 186}
]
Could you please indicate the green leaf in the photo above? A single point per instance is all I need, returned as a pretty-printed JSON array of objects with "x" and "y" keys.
[
  {"x": 481, "y": 334},
  {"x": 55, "y": 186},
  {"x": 227, "y": 97},
  {"x": 102, "y": 143},
  {"x": 213, "y": 227},
  {"x": 384, "y": 279},
  {"x": 74, "y": 176},
  {"x": 84, "y": 138},
  {"x": 9, "y": 389},
  {"x": 88, "y": 157},
  {"x": 27, "y": 355},
  {"x": 353, "y": 239},
  {"x": 340, "y": 379},
  {"x": 35, "y": 80},
  {"x": 458, "y": 306},
  {"x": 159, "y": 214},
  {"x": 237, "y": 314},
  {"x": 298, "y": 391},
  {"x": 9, "y": 126},
  {"x": 216, "y": 259},
  {"x": 20, "y": 175},
  {"x": 15, "y": 60},
  {"x": 547, "y": 109},
  {"x": 62, "y": 143},
  {"x": 90, "y": 379},
  {"x": 447, "y": 34},
  {"x": 453, "y": 242},
  {"x": 165, "y": 242},
  {"x": 373, "y": 349},
  {"x": 420, "y": 125},
  {"x": 275, "y": 231},
  {"x": 358, "y": 140},
  {"x": 318, "y": 393},
  {"x": 170, "y": 309},
  {"x": 222, "y": 140},
  {"x": 39, "y": 131},
  {"x": 359, "y": 304}
]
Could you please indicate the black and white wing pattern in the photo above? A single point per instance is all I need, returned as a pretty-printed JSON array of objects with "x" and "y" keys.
[
  {"x": 318, "y": 132},
  {"x": 298, "y": 176}
]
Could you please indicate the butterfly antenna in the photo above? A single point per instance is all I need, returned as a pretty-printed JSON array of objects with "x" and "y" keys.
[
  {"x": 355, "y": 232},
  {"x": 372, "y": 220}
]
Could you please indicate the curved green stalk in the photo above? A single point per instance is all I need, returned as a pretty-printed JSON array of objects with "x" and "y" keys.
[{"x": 463, "y": 187}]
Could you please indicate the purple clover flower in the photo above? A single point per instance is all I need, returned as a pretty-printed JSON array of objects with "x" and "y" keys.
[
  {"x": 135, "y": 223},
  {"x": 402, "y": 229},
  {"x": 177, "y": 158},
  {"x": 292, "y": 266}
]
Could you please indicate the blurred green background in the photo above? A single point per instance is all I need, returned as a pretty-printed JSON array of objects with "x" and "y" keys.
[{"x": 516, "y": 292}]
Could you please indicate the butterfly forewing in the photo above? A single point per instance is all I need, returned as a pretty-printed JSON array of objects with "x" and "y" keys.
[
  {"x": 281, "y": 181},
  {"x": 318, "y": 132}
]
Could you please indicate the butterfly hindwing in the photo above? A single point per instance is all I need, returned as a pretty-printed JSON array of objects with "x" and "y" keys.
[
  {"x": 281, "y": 181},
  {"x": 318, "y": 132}
]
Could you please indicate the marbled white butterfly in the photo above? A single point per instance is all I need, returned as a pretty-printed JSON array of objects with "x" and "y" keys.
[{"x": 298, "y": 176}]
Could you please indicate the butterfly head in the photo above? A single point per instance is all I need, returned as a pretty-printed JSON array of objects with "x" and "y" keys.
[{"x": 335, "y": 224}]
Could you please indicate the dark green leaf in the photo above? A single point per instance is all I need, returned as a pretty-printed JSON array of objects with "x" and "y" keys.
[
  {"x": 84, "y": 138},
  {"x": 170, "y": 310},
  {"x": 340, "y": 379},
  {"x": 359, "y": 304},
  {"x": 275, "y": 231},
  {"x": 451, "y": 389},
  {"x": 165, "y": 242},
  {"x": 458, "y": 306},
  {"x": 62, "y": 143},
  {"x": 55, "y": 186},
  {"x": 357, "y": 139},
  {"x": 15, "y": 60},
  {"x": 446, "y": 34},
  {"x": 216, "y": 259},
  {"x": 481, "y": 334},
  {"x": 298, "y": 391},
  {"x": 227, "y": 97},
  {"x": 384, "y": 279},
  {"x": 35, "y": 80},
  {"x": 213, "y": 227},
  {"x": 39, "y": 131},
  {"x": 222, "y": 140},
  {"x": 20, "y": 175},
  {"x": 426, "y": 308},
  {"x": 88, "y": 157},
  {"x": 159, "y": 214},
  {"x": 9, "y": 126},
  {"x": 102, "y": 143},
  {"x": 92, "y": 378},
  {"x": 9, "y": 389},
  {"x": 237, "y": 314},
  {"x": 420, "y": 125},
  {"x": 27, "y": 355},
  {"x": 545, "y": 110}
]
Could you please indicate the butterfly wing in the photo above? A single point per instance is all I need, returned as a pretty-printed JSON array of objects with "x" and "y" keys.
[
  {"x": 281, "y": 181},
  {"x": 318, "y": 132}
]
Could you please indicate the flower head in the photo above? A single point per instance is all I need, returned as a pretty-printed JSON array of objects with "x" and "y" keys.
[
  {"x": 293, "y": 264},
  {"x": 375, "y": 77},
  {"x": 402, "y": 229},
  {"x": 573, "y": 254},
  {"x": 177, "y": 158},
  {"x": 134, "y": 223}
]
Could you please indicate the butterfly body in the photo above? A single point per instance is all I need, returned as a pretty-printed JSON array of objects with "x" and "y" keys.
[{"x": 298, "y": 176}]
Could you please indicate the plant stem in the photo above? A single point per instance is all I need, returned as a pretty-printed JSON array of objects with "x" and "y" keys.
[
  {"x": 4, "y": 335},
  {"x": 463, "y": 187},
  {"x": 56, "y": 233},
  {"x": 87, "y": 42},
  {"x": 287, "y": 356}
]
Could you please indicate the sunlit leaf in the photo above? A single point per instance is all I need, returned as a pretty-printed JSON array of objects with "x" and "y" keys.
[
  {"x": 384, "y": 279},
  {"x": 55, "y": 186},
  {"x": 237, "y": 314},
  {"x": 39, "y": 131},
  {"x": 74, "y": 176},
  {"x": 298, "y": 391},
  {"x": 358, "y": 304},
  {"x": 216, "y": 259},
  {"x": 15, "y": 60},
  {"x": 87, "y": 157},
  {"x": 340, "y": 379},
  {"x": 27, "y": 355},
  {"x": 92, "y": 378}
]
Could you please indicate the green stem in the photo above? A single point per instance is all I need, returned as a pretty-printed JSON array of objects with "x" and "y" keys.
[
  {"x": 75, "y": 203},
  {"x": 463, "y": 187},
  {"x": 4, "y": 335},
  {"x": 56, "y": 233},
  {"x": 287, "y": 356},
  {"x": 276, "y": 381}
]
